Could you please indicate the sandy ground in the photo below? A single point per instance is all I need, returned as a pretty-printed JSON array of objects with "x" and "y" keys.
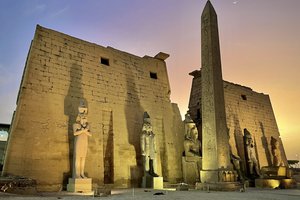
[{"x": 132, "y": 194}]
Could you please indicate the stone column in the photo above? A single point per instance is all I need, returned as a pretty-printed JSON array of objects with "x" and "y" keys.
[{"x": 216, "y": 166}]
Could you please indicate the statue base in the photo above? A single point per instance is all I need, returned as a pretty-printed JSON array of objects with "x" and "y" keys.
[
  {"x": 286, "y": 183},
  {"x": 220, "y": 186},
  {"x": 80, "y": 185},
  {"x": 218, "y": 180},
  {"x": 191, "y": 166},
  {"x": 152, "y": 182},
  {"x": 275, "y": 177},
  {"x": 274, "y": 171}
]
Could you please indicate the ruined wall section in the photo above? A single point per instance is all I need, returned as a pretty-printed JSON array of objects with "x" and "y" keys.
[
  {"x": 60, "y": 71},
  {"x": 245, "y": 108}
]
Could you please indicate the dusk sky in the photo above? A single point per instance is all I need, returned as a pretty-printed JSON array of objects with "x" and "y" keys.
[{"x": 260, "y": 44}]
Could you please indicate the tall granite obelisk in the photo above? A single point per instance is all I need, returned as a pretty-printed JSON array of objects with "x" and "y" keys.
[{"x": 216, "y": 165}]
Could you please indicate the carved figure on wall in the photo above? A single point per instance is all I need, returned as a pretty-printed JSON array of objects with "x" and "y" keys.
[
  {"x": 81, "y": 132},
  {"x": 148, "y": 146},
  {"x": 251, "y": 154},
  {"x": 277, "y": 159}
]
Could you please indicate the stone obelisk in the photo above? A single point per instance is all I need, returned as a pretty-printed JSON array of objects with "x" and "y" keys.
[{"x": 216, "y": 165}]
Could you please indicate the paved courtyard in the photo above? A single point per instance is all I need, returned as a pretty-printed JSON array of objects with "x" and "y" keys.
[{"x": 131, "y": 194}]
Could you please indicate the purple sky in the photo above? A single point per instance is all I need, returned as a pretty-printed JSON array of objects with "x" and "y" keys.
[{"x": 260, "y": 44}]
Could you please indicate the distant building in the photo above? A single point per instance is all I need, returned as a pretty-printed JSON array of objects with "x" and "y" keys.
[{"x": 4, "y": 128}]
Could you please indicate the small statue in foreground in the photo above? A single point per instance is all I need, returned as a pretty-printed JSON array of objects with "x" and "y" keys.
[
  {"x": 192, "y": 145},
  {"x": 81, "y": 132},
  {"x": 148, "y": 146},
  {"x": 251, "y": 154},
  {"x": 277, "y": 159},
  {"x": 236, "y": 162}
]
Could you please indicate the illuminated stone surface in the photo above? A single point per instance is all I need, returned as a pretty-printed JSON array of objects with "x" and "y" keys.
[
  {"x": 118, "y": 87},
  {"x": 215, "y": 138},
  {"x": 80, "y": 185}
]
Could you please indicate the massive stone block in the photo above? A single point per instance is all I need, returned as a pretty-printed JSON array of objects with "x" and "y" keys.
[{"x": 117, "y": 86}]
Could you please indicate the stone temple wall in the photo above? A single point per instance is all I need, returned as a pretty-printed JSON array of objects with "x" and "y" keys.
[
  {"x": 245, "y": 108},
  {"x": 117, "y": 86}
]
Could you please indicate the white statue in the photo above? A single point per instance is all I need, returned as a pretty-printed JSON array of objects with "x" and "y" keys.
[
  {"x": 81, "y": 132},
  {"x": 148, "y": 146}
]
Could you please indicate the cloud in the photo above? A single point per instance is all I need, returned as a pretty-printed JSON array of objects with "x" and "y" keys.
[
  {"x": 40, "y": 8},
  {"x": 59, "y": 12},
  {"x": 37, "y": 9}
]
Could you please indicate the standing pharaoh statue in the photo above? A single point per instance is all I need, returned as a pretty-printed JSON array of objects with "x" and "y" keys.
[
  {"x": 81, "y": 132},
  {"x": 251, "y": 154},
  {"x": 148, "y": 147},
  {"x": 277, "y": 159}
]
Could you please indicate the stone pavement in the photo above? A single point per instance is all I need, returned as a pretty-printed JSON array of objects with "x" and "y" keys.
[{"x": 135, "y": 194}]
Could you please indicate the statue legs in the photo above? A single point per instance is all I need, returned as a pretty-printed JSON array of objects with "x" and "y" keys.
[
  {"x": 82, "y": 164},
  {"x": 251, "y": 167},
  {"x": 79, "y": 167},
  {"x": 151, "y": 168},
  {"x": 146, "y": 163},
  {"x": 257, "y": 169}
]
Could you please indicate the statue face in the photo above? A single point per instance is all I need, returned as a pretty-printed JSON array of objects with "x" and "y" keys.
[
  {"x": 83, "y": 121},
  {"x": 194, "y": 133},
  {"x": 82, "y": 110}
]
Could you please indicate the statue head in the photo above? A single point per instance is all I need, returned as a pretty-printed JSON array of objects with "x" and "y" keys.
[
  {"x": 274, "y": 143},
  {"x": 248, "y": 137},
  {"x": 147, "y": 118},
  {"x": 188, "y": 118},
  {"x": 82, "y": 109},
  {"x": 194, "y": 133},
  {"x": 147, "y": 127}
]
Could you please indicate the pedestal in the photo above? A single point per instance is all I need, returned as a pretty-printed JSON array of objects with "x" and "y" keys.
[
  {"x": 275, "y": 177},
  {"x": 274, "y": 171},
  {"x": 224, "y": 180},
  {"x": 219, "y": 186},
  {"x": 191, "y": 167},
  {"x": 286, "y": 183},
  {"x": 81, "y": 185},
  {"x": 153, "y": 182},
  {"x": 267, "y": 183}
]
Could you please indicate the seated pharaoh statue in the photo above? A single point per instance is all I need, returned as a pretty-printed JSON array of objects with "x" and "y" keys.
[
  {"x": 191, "y": 159},
  {"x": 192, "y": 145}
]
